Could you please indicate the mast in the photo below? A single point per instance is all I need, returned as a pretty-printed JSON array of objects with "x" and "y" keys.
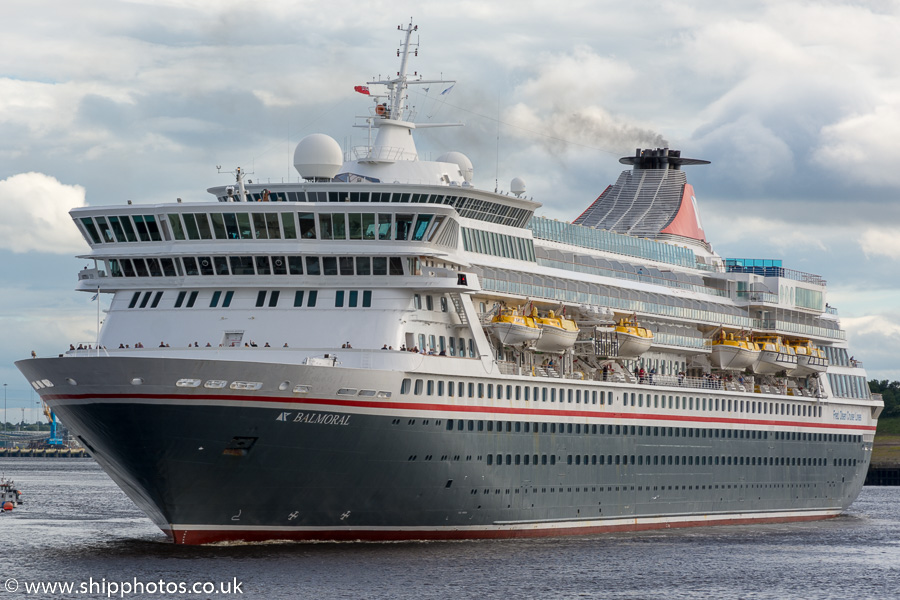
[{"x": 398, "y": 93}]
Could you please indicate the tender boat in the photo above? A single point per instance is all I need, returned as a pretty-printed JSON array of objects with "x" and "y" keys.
[
  {"x": 513, "y": 329},
  {"x": 733, "y": 353},
  {"x": 633, "y": 339},
  {"x": 558, "y": 333},
  {"x": 809, "y": 358},
  {"x": 774, "y": 356}
]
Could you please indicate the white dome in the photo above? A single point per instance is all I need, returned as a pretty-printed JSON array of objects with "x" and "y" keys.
[
  {"x": 460, "y": 159},
  {"x": 318, "y": 156},
  {"x": 517, "y": 186}
]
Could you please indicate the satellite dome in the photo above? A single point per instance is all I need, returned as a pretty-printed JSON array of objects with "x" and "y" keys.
[
  {"x": 460, "y": 159},
  {"x": 517, "y": 186},
  {"x": 318, "y": 156}
]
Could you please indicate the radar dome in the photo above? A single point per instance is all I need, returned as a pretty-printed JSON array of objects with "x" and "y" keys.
[
  {"x": 517, "y": 186},
  {"x": 460, "y": 159},
  {"x": 318, "y": 156}
]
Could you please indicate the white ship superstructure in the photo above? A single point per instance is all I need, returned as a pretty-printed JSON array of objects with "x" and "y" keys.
[{"x": 383, "y": 351}]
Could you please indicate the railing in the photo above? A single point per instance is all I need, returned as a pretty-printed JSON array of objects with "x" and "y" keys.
[
  {"x": 758, "y": 297},
  {"x": 582, "y": 268},
  {"x": 773, "y": 271},
  {"x": 618, "y": 243},
  {"x": 527, "y": 290},
  {"x": 376, "y": 153}
]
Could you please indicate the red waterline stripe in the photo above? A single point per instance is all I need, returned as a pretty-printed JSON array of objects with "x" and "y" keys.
[
  {"x": 465, "y": 409},
  {"x": 195, "y": 537}
]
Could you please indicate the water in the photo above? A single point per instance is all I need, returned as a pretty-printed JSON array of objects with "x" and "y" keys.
[{"x": 77, "y": 526}]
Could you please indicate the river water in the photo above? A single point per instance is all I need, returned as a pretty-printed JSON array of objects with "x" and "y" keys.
[{"x": 76, "y": 527}]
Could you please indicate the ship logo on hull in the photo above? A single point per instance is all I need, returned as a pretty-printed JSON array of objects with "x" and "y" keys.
[{"x": 315, "y": 418}]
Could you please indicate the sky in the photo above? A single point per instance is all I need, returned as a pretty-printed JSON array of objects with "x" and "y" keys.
[{"x": 796, "y": 104}]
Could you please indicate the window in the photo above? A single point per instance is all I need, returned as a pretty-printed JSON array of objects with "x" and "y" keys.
[
  {"x": 261, "y": 298},
  {"x": 180, "y": 299},
  {"x": 353, "y": 298},
  {"x": 367, "y": 299},
  {"x": 191, "y": 299},
  {"x": 339, "y": 298},
  {"x": 215, "y": 299},
  {"x": 307, "y": 226},
  {"x": 226, "y": 302},
  {"x": 312, "y": 265},
  {"x": 298, "y": 298},
  {"x": 273, "y": 298},
  {"x": 313, "y": 294}
]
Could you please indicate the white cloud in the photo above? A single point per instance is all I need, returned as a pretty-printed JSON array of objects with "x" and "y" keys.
[
  {"x": 35, "y": 214},
  {"x": 876, "y": 341},
  {"x": 862, "y": 148},
  {"x": 884, "y": 242}
]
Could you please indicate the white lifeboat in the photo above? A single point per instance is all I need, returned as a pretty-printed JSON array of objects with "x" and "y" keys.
[
  {"x": 732, "y": 353},
  {"x": 513, "y": 329},
  {"x": 558, "y": 333}
]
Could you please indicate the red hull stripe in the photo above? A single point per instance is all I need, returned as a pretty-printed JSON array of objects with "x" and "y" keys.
[
  {"x": 446, "y": 408},
  {"x": 195, "y": 537}
]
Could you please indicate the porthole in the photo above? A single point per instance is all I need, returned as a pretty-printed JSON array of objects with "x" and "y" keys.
[
  {"x": 71, "y": 381},
  {"x": 215, "y": 384},
  {"x": 188, "y": 383},
  {"x": 137, "y": 381},
  {"x": 301, "y": 389},
  {"x": 284, "y": 385}
]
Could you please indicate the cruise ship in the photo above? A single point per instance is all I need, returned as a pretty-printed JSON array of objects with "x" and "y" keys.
[{"x": 383, "y": 351}]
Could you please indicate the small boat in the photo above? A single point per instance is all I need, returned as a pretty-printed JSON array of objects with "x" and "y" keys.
[
  {"x": 513, "y": 329},
  {"x": 774, "y": 356},
  {"x": 633, "y": 339},
  {"x": 10, "y": 497},
  {"x": 809, "y": 358},
  {"x": 733, "y": 353},
  {"x": 558, "y": 333}
]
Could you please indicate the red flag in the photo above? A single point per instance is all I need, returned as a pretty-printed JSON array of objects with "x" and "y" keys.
[{"x": 362, "y": 89}]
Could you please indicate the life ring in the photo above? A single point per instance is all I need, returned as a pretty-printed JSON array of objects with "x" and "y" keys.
[{"x": 380, "y": 109}]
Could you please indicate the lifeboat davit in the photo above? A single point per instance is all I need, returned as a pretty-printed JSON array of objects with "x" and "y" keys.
[
  {"x": 633, "y": 339},
  {"x": 809, "y": 358},
  {"x": 558, "y": 333},
  {"x": 774, "y": 356},
  {"x": 732, "y": 353},
  {"x": 513, "y": 329}
]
